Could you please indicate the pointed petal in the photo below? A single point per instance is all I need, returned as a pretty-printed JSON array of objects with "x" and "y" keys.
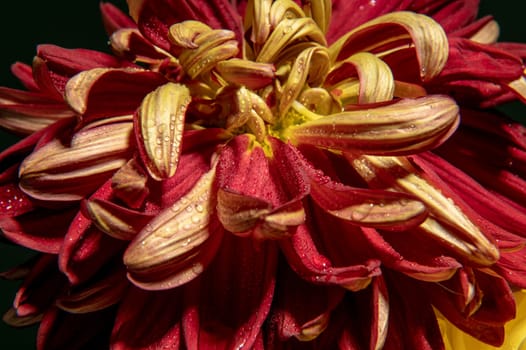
[
  {"x": 225, "y": 317},
  {"x": 24, "y": 73},
  {"x": 26, "y": 229},
  {"x": 39, "y": 288},
  {"x": 86, "y": 249},
  {"x": 498, "y": 307},
  {"x": 449, "y": 221},
  {"x": 143, "y": 321}
]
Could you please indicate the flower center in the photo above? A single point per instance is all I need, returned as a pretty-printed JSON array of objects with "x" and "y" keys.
[{"x": 285, "y": 60}]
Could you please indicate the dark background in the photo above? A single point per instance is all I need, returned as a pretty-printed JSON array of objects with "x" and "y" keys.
[{"x": 25, "y": 24}]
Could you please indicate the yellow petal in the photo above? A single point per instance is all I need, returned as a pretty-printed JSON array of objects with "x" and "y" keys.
[
  {"x": 260, "y": 21},
  {"x": 287, "y": 32},
  {"x": 398, "y": 128},
  {"x": 312, "y": 64},
  {"x": 161, "y": 119},
  {"x": 320, "y": 11},
  {"x": 66, "y": 172},
  {"x": 447, "y": 222},
  {"x": 375, "y": 76},
  {"x": 170, "y": 243},
  {"x": 184, "y": 34},
  {"x": 247, "y": 73}
]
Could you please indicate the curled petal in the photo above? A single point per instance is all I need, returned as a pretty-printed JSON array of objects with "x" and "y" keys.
[
  {"x": 160, "y": 125},
  {"x": 239, "y": 213},
  {"x": 154, "y": 18},
  {"x": 284, "y": 9},
  {"x": 169, "y": 250},
  {"x": 211, "y": 47},
  {"x": 183, "y": 34},
  {"x": 287, "y": 32},
  {"x": 129, "y": 43},
  {"x": 376, "y": 79},
  {"x": 123, "y": 90},
  {"x": 394, "y": 31},
  {"x": 401, "y": 127},
  {"x": 311, "y": 65}
]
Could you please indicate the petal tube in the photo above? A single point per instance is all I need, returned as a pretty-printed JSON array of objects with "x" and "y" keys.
[{"x": 401, "y": 127}]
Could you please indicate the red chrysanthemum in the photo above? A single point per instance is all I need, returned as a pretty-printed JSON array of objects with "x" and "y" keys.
[{"x": 269, "y": 174}]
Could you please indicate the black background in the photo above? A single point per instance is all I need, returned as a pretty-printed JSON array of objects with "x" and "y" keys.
[{"x": 25, "y": 24}]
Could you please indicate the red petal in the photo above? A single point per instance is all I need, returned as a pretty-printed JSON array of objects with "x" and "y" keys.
[
  {"x": 451, "y": 14},
  {"x": 54, "y": 66},
  {"x": 229, "y": 303},
  {"x": 156, "y": 16},
  {"x": 397, "y": 251},
  {"x": 86, "y": 249},
  {"x": 40, "y": 287},
  {"x": 26, "y": 230},
  {"x": 122, "y": 91},
  {"x": 486, "y": 324},
  {"x": 412, "y": 321},
  {"x": 512, "y": 266},
  {"x": 24, "y": 73},
  {"x": 14, "y": 202},
  {"x": 307, "y": 261},
  {"x": 148, "y": 320},
  {"x": 244, "y": 168},
  {"x": 62, "y": 330},
  {"x": 470, "y": 60},
  {"x": 343, "y": 20},
  {"x": 114, "y": 19},
  {"x": 291, "y": 318},
  {"x": 496, "y": 217}
]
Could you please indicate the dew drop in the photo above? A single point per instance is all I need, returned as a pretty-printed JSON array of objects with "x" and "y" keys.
[{"x": 287, "y": 29}]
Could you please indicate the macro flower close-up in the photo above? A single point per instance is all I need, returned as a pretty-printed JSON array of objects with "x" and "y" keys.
[{"x": 270, "y": 174}]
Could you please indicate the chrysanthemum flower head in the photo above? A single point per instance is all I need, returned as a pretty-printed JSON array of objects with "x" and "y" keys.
[{"x": 269, "y": 174}]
